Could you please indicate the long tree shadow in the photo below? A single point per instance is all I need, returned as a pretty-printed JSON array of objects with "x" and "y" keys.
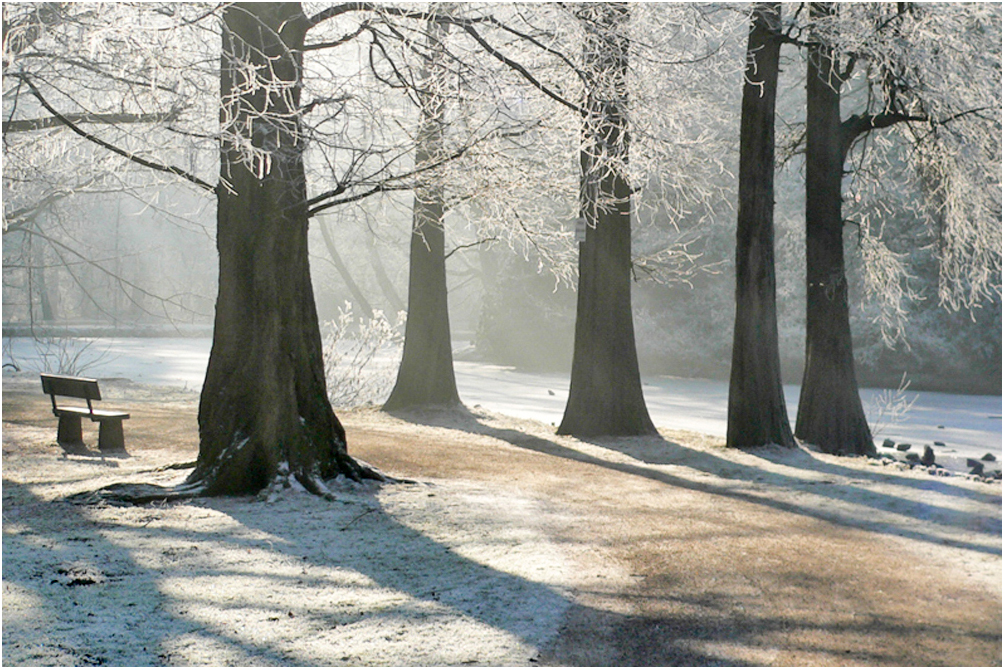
[
  {"x": 437, "y": 577},
  {"x": 809, "y": 460},
  {"x": 89, "y": 602},
  {"x": 671, "y": 641},
  {"x": 659, "y": 450},
  {"x": 300, "y": 555},
  {"x": 75, "y": 582}
]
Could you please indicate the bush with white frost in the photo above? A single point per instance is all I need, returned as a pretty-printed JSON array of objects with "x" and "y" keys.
[{"x": 361, "y": 356}]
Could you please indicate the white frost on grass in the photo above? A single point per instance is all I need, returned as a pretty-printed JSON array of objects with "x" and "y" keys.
[{"x": 439, "y": 574}]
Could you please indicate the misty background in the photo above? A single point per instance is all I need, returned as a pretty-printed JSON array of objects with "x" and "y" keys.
[{"x": 140, "y": 260}]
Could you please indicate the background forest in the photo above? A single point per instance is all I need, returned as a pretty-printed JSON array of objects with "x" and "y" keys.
[{"x": 93, "y": 246}]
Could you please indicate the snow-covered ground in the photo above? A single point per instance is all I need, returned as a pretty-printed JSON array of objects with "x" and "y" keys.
[
  {"x": 513, "y": 547},
  {"x": 968, "y": 426}
]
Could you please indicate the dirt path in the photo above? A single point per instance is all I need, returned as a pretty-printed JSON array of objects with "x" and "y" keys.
[{"x": 679, "y": 552}]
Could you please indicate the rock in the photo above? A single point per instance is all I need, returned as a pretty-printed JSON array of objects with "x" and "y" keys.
[
  {"x": 912, "y": 457},
  {"x": 903, "y": 447},
  {"x": 989, "y": 457},
  {"x": 939, "y": 444},
  {"x": 928, "y": 458},
  {"x": 977, "y": 466},
  {"x": 940, "y": 426},
  {"x": 888, "y": 443}
]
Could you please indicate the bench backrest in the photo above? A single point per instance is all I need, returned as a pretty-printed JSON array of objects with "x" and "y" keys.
[{"x": 71, "y": 387}]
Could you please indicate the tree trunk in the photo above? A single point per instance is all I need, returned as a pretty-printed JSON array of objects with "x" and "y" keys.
[
  {"x": 357, "y": 293},
  {"x": 264, "y": 413},
  {"x": 605, "y": 390},
  {"x": 830, "y": 408},
  {"x": 44, "y": 295},
  {"x": 394, "y": 301},
  {"x": 757, "y": 414},
  {"x": 426, "y": 373}
]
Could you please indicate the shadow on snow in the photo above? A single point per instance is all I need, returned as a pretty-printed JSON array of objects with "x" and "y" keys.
[
  {"x": 657, "y": 450},
  {"x": 127, "y": 616}
]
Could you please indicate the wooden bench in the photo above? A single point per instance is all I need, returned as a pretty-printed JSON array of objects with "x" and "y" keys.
[{"x": 110, "y": 437}]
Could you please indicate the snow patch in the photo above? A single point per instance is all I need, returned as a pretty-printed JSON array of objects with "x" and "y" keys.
[{"x": 444, "y": 574}]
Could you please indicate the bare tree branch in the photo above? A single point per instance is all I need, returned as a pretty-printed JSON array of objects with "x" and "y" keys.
[
  {"x": 26, "y": 125},
  {"x": 476, "y": 243},
  {"x": 470, "y": 30},
  {"x": 170, "y": 169}
]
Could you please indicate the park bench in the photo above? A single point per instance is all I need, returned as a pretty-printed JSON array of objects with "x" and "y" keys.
[{"x": 110, "y": 437}]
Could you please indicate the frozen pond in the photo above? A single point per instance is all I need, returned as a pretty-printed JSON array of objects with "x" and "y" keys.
[{"x": 968, "y": 425}]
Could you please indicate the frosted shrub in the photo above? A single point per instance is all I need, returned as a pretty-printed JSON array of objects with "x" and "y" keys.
[
  {"x": 891, "y": 406},
  {"x": 72, "y": 356},
  {"x": 361, "y": 357}
]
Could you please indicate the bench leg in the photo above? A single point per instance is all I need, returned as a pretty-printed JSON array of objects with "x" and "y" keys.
[
  {"x": 69, "y": 431},
  {"x": 110, "y": 437}
]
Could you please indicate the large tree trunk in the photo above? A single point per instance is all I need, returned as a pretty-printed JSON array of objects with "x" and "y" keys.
[
  {"x": 426, "y": 373},
  {"x": 264, "y": 413},
  {"x": 757, "y": 414},
  {"x": 605, "y": 390},
  {"x": 830, "y": 408}
]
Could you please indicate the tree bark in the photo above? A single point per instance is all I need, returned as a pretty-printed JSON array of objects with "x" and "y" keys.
[
  {"x": 264, "y": 412},
  {"x": 830, "y": 409},
  {"x": 426, "y": 372},
  {"x": 605, "y": 390},
  {"x": 757, "y": 415}
]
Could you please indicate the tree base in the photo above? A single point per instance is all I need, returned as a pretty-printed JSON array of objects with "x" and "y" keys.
[
  {"x": 403, "y": 403},
  {"x": 145, "y": 494},
  {"x": 585, "y": 427},
  {"x": 136, "y": 494}
]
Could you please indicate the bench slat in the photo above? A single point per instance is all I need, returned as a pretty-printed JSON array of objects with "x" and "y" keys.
[
  {"x": 71, "y": 387},
  {"x": 100, "y": 414},
  {"x": 96, "y": 415},
  {"x": 82, "y": 411}
]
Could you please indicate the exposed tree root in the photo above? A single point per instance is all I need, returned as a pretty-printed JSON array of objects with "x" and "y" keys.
[
  {"x": 144, "y": 494},
  {"x": 187, "y": 465},
  {"x": 136, "y": 494},
  {"x": 361, "y": 470}
]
